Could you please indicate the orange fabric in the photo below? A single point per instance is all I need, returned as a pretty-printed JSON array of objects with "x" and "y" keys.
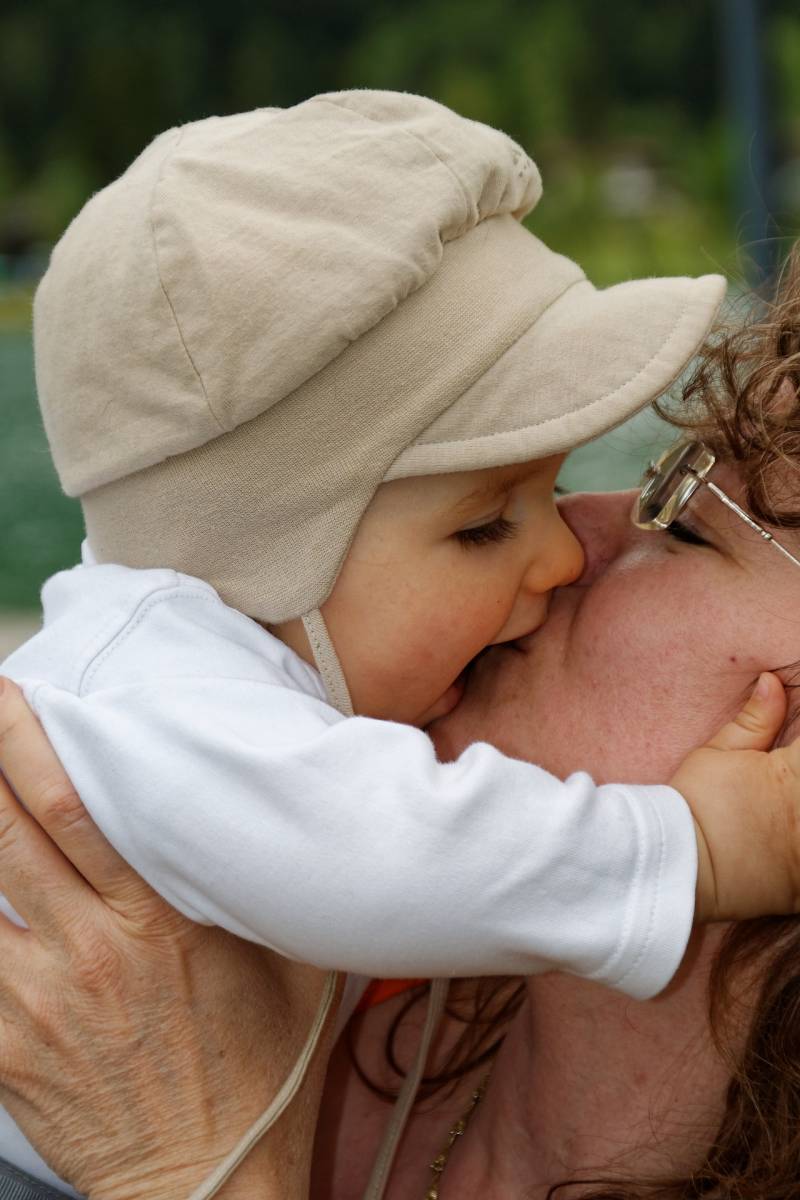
[{"x": 384, "y": 989}]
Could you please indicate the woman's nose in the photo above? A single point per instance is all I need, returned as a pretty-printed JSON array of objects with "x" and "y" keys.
[{"x": 602, "y": 524}]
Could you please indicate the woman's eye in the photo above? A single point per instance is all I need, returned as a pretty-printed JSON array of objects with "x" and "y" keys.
[
  {"x": 682, "y": 533},
  {"x": 498, "y": 530}
]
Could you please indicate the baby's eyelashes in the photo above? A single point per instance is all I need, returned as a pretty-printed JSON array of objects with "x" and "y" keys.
[{"x": 498, "y": 530}]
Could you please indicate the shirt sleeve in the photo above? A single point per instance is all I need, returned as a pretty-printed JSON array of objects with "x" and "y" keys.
[{"x": 345, "y": 843}]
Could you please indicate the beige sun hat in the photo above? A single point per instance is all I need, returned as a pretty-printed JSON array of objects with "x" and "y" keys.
[{"x": 269, "y": 314}]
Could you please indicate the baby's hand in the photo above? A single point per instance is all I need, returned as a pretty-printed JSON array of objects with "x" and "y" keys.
[{"x": 746, "y": 809}]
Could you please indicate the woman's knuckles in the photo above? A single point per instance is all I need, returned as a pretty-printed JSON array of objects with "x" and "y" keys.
[
  {"x": 147, "y": 917},
  {"x": 58, "y": 807},
  {"x": 96, "y": 966}
]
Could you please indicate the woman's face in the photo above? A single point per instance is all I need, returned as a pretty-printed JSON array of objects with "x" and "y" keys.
[{"x": 648, "y": 653}]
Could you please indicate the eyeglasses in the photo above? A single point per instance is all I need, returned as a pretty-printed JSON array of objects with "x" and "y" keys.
[{"x": 669, "y": 484}]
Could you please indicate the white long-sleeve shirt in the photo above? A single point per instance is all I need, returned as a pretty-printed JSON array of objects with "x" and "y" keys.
[{"x": 207, "y": 753}]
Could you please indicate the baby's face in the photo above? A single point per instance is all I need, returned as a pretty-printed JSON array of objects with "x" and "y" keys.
[{"x": 442, "y": 566}]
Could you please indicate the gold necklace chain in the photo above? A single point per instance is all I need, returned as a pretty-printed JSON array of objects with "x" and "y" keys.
[{"x": 440, "y": 1162}]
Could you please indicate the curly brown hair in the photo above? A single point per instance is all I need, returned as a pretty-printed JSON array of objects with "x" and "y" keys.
[{"x": 743, "y": 400}]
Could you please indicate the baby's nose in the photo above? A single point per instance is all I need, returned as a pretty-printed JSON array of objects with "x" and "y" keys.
[{"x": 601, "y": 522}]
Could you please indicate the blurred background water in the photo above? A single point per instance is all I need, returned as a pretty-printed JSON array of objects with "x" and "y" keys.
[{"x": 668, "y": 137}]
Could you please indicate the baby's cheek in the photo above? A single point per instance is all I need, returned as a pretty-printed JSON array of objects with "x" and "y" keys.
[
  {"x": 421, "y": 662},
  {"x": 453, "y": 597}
]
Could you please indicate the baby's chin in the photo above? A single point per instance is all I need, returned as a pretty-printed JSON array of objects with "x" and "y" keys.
[
  {"x": 451, "y": 734},
  {"x": 467, "y": 720},
  {"x": 446, "y": 703},
  {"x": 479, "y": 668}
]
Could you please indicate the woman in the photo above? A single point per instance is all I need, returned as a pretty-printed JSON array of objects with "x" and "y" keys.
[{"x": 587, "y": 1085}]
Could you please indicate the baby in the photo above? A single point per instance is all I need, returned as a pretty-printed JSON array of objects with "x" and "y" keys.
[{"x": 307, "y": 366}]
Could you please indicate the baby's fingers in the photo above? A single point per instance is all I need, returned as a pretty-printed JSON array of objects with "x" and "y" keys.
[{"x": 758, "y": 723}]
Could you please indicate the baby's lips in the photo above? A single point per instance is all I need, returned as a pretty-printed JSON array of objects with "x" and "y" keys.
[{"x": 448, "y": 700}]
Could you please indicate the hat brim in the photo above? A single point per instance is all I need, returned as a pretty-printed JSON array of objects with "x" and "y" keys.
[{"x": 590, "y": 361}]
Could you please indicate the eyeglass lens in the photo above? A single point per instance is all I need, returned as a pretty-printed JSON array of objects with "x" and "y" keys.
[{"x": 662, "y": 479}]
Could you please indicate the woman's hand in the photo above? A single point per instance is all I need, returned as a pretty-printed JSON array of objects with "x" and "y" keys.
[{"x": 135, "y": 1046}]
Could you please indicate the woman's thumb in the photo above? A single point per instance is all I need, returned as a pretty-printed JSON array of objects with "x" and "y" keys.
[{"x": 758, "y": 723}]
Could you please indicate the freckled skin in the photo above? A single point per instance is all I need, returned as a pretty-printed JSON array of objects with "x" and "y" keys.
[
  {"x": 644, "y": 657},
  {"x": 659, "y": 639}
]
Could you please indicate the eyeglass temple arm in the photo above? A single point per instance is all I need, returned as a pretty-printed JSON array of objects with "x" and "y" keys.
[{"x": 734, "y": 507}]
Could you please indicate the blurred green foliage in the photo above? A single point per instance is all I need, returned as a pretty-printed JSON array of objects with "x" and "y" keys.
[
  {"x": 41, "y": 529},
  {"x": 621, "y": 104},
  {"x": 588, "y": 88}
]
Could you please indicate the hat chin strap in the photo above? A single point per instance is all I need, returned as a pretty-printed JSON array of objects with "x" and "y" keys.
[
  {"x": 327, "y": 661},
  {"x": 330, "y": 669},
  {"x": 336, "y": 686}
]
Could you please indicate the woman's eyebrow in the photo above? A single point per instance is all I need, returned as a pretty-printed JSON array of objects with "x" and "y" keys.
[
  {"x": 707, "y": 527},
  {"x": 708, "y": 530}
]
